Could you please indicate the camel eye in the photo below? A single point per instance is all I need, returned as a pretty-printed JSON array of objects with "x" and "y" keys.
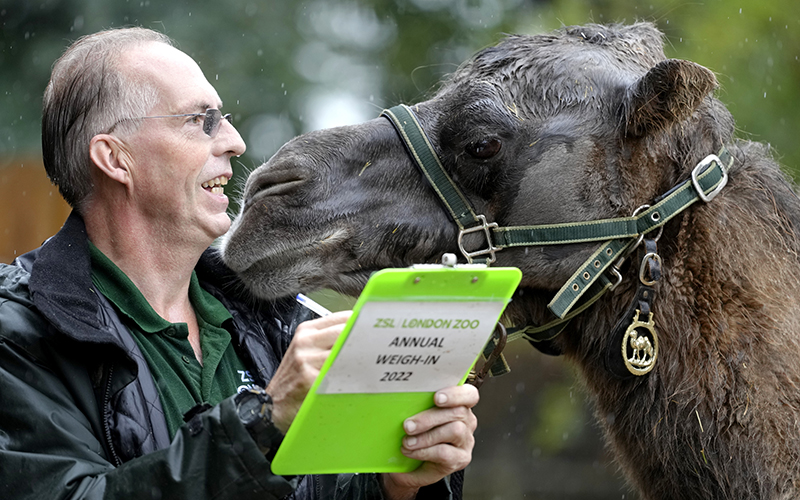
[{"x": 484, "y": 148}]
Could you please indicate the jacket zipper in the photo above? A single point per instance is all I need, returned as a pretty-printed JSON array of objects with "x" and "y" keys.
[{"x": 107, "y": 417}]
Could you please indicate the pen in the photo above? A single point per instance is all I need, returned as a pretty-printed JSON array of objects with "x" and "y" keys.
[{"x": 307, "y": 302}]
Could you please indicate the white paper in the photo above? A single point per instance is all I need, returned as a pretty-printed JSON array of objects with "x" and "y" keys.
[{"x": 410, "y": 346}]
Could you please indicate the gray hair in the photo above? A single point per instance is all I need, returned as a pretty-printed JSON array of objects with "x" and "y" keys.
[{"x": 87, "y": 95}]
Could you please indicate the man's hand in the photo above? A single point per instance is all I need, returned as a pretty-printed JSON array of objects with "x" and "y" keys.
[
  {"x": 304, "y": 358},
  {"x": 441, "y": 437}
]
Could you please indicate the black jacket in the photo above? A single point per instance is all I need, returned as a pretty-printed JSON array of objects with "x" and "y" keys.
[{"x": 78, "y": 403}]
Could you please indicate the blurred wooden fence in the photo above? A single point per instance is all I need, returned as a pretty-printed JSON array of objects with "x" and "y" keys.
[{"x": 31, "y": 209}]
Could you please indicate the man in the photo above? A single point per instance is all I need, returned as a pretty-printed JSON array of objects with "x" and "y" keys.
[{"x": 125, "y": 324}]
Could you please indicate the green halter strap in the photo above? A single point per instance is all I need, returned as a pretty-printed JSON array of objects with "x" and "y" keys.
[{"x": 619, "y": 236}]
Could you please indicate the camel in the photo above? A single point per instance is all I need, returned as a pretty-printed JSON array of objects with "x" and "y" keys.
[{"x": 553, "y": 143}]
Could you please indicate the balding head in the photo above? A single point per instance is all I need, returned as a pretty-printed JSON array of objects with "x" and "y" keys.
[{"x": 90, "y": 90}]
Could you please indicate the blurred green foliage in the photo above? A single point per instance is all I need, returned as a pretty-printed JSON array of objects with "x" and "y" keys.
[
  {"x": 564, "y": 419},
  {"x": 285, "y": 67}
]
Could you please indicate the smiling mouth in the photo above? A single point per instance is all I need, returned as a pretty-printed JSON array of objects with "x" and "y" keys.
[{"x": 216, "y": 185}]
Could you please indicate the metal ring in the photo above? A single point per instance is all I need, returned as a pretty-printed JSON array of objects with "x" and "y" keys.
[
  {"x": 655, "y": 217},
  {"x": 660, "y": 232},
  {"x": 641, "y": 236}
]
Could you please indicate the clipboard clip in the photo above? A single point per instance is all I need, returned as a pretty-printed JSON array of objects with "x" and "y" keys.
[
  {"x": 449, "y": 261},
  {"x": 499, "y": 338}
]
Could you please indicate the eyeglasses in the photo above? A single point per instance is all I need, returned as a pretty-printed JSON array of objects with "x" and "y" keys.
[{"x": 212, "y": 119}]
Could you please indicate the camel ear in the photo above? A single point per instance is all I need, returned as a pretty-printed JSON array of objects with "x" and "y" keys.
[{"x": 669, "y": 93}]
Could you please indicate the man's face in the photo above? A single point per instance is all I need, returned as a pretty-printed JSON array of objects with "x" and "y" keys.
[{"x": 177, "y": 169}]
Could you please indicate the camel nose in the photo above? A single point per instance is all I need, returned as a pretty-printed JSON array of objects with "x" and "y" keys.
[{"x": 273, "y": 179}]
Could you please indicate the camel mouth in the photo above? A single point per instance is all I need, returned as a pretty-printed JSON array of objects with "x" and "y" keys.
[
  {"x": 283, "y": 251},
  {"x": 301, "y": 264}
]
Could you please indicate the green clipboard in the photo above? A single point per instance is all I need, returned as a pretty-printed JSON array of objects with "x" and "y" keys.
[{"x": 413, "y": 331}]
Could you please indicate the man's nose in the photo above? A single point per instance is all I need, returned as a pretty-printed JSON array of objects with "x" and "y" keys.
[{"x": 230, "y": 138}]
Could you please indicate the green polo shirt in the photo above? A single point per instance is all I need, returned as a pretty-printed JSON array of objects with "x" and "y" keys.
[{"x": 181, "y": 380}]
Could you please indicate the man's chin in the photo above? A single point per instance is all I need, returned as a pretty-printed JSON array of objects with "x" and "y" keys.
[{"x": 218, "y": 225}]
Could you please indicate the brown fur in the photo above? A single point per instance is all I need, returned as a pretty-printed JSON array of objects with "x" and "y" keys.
[{"x": 594, "y": 122}]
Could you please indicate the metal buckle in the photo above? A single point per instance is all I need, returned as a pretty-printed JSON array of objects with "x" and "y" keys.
[
  {"x": 485, "y": 227},
  {"x": 477, "y": 378},
  {"x": 700, "y": 168},
  {"x": 643, "y": 267},
  {"x": 617, "y": 276}
]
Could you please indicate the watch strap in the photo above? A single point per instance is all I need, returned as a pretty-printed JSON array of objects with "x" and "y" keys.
[{"x": 257, "y": 419}]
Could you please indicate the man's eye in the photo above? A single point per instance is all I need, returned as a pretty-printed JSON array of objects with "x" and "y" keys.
[{"x": 197, "y": 118}]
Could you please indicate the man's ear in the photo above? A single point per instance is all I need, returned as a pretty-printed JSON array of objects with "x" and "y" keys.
[
  {"x": 669, "y": 93},
  {"x": 109, "y": 156}
]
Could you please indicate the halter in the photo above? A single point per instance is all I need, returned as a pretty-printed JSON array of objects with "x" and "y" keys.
[{"x": 619, "y": 236}]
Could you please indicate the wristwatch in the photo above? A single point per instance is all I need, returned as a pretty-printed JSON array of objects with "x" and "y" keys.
[{"x": 254, "y": 407}]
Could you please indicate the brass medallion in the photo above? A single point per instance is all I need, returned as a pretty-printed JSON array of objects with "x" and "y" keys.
[{"x": 640, "y": 347}]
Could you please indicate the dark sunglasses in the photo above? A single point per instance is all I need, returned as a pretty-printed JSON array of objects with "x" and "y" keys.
[{"x": 212, "y": 119}]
